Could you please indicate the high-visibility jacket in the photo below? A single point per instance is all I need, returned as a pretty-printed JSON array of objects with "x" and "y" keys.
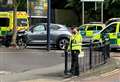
[{"x": 75, "y": 42}]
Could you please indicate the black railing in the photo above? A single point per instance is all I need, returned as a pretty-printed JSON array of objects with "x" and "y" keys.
[{"x": 94, "y": 55}]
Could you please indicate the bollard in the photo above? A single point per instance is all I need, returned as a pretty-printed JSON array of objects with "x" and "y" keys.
[
  {"x": 90, "y": 58},
  {"x": 66, "y": 63}
]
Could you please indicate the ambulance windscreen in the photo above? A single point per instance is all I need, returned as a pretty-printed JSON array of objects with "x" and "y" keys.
[{"x": 4, "y": 22}]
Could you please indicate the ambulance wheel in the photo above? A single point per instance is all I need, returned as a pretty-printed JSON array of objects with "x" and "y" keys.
[{"x": 7, "y": 44}]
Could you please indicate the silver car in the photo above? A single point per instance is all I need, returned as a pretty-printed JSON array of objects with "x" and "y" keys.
[{"x": 59, "y": 35}]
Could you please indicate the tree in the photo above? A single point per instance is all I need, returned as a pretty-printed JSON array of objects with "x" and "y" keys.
[
  {"x": 16, "y": 5},
  {"x": 111, "y": 8},
  {"x": 76, "y": 6},
  {"x": 22, "y": 5}
]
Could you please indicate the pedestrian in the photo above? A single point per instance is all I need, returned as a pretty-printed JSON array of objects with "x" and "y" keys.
[{"x": 75, "y": 48}]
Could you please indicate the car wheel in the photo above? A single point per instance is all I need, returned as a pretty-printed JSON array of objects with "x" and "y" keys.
[
  {"x": 62, "y": 43},
  {"x": 21, "y": 44},
  {"x": 7, "y": 44}
]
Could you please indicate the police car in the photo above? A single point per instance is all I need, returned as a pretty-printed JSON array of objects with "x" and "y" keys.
[
  {"x": 111, "y": 33},
  {"x": 88, "y": 30}
]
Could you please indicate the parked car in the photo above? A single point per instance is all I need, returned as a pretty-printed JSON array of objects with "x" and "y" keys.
[
  {"x": 111, "y": 34},
  {"x": 59, "y": 35},
  {"x": 88, "y": 30}
]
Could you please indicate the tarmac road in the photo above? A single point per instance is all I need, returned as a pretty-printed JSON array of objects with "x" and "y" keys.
[
  {"x": 14, "y": 60},
  {"x": 19, "y": 63}
]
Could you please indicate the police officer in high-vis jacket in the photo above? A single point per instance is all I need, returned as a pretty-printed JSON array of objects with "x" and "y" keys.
[{"x": 75, "y": 48}]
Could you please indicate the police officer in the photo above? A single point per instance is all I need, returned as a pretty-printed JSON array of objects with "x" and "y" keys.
[{"x": 75, "y": 48}]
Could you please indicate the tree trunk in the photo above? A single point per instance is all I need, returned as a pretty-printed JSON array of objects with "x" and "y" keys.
[{"x": 14, "y": 24}]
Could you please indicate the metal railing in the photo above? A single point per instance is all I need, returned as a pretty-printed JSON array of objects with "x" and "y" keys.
[{"x": 94, "y": 55}]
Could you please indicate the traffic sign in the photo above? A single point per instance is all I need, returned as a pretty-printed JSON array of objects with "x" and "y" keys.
[{"x": 92, "y": 0}]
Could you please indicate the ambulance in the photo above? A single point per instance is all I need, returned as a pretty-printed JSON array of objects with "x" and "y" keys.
[
  {"x": 7, "y": 24},
  {"x": 88, "y": 30},
  {"x": 111, "y": 33}
]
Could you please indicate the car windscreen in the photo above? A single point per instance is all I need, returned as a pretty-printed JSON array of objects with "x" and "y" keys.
[
  {"x": 4, "y": 22},
  {"x": 21, "y": 22}
]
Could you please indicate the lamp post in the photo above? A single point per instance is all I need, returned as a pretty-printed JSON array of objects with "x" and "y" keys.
[{"x": 48, "y": 24}]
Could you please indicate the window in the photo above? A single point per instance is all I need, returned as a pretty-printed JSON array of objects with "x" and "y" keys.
[
  {"x": 91, "y": 28},
  {"x": 21, "y": 22},
  {"x": 39, "y": 28},
  {"x": 54, "y": 27},
  {"x": 4, "y": 22},
  {"x": 99, "y": 27},
  {"x": 110, "y": 29},
  {"x": 82, "y": 28}
]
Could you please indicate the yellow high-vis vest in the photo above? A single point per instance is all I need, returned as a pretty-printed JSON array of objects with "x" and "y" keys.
[{"x": 75, "y": 42}]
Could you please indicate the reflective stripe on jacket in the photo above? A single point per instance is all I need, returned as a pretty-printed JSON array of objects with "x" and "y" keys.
[{"x": 75, "y": 42}]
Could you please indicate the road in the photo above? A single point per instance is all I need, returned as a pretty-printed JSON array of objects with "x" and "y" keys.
[
  {"x": 22, "y": 63},
  {"x": 15, "y": 61}
]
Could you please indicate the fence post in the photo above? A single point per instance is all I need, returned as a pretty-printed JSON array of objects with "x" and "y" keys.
[
  {"x": 90, "y": 58},
  {"x": 66, "y": 63}
]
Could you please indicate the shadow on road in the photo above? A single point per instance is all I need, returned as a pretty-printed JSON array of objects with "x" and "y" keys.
[{"x": 115, "y": 50}]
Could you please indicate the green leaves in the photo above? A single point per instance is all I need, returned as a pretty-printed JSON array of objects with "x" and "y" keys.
[
  {"x": 21, "y": 4},
  {"x": 111, "y": 8}
]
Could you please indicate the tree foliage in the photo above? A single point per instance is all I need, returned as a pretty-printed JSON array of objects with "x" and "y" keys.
[
  {"x": 22, "y": 5},
  {"x": 111, "y": 8}
]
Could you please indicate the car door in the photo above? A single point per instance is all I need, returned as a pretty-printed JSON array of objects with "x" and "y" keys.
[
  {"x": 90, "y": 30},
  {"x": 99, "y": 28},
  {"x": 38, "y": 35},
  {"x": 112, "y": 33},
  {"x": 82, "y": 30},
  {"x": 118, "y": 35}
]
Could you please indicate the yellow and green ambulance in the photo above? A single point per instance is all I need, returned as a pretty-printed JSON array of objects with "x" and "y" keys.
[
  {"x": 7, "y": 26},
  {"x": 111, "y": 33},
  {"x": 88, "y": 30}
]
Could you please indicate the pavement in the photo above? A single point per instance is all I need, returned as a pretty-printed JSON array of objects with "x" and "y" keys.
[
  {"x": 108, "y": 76},
  {"x": 29, "y": 66},
  {"x": 113, "y": 76}
]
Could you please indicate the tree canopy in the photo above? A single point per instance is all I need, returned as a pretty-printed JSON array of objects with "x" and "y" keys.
[{"x": 111, "y": 8}]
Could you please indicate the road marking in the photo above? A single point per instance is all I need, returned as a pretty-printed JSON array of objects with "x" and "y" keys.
[{"x": 4, "y": 72}]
